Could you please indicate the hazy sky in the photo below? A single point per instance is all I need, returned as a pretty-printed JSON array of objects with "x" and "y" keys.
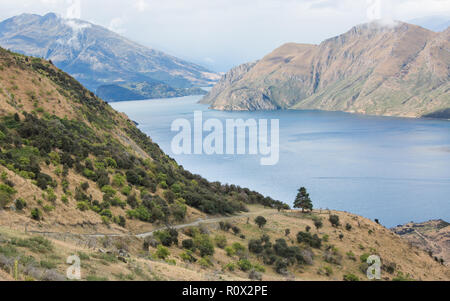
[{"x": 222, "y": 33}]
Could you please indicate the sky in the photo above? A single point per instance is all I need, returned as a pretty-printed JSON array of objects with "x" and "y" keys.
[{"x": 220, "y": 34}]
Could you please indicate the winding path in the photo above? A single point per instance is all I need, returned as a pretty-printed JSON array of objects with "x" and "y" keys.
[{"x": 180, "y": 226}]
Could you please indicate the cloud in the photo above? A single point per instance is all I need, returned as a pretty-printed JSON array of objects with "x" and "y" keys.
[
  {"x": 117, "y": 25},
  {"x": 141, "y": 5},
  {"x": 74, "y": 9},
  {"x": 228, "y": 32}
]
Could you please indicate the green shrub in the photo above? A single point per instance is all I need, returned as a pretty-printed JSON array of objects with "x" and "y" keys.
[
  {"x": 230, "y": 267},
  {"x": 205, "y": 262},
  {"x": 230, "y": 251},
  {"x": 126, "y": 190},
  {"x": 83, "y": 206},
  {"x": 221, "y": 241},
  {"x": 281, "y": 266},
  {"x": 350, "y": 277},
  {"x": 108, "y": 190},
  {"x": 255, "y": 246},
  {"x": 20, "y": 204},
  {"x": 48, "y": 208},
  {"x": 245, "y": 265},
  {"x": 37, "y": 244},
  {"x": 238, "y": 248},
  {"x": 167, "y": 237},
  {"x": 162, "y": 252},
  {"x": 36, "y": 214},
  {"x": 188, "y": 256},
  {"x": 364, "y": 257},
  {"x": 188, "y": 244},
  {"x": 64, "y": 199},
  {"x": 312, "y": 240},
  {"x": 204, "y": 244},
  {"x": 334, "y": 220}
]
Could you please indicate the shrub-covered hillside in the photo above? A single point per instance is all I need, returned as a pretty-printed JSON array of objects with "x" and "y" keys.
[{"x": 66, "y": 155}]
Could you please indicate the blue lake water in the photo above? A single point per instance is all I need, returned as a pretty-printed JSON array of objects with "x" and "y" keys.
[{"x": 393, "y": 169}]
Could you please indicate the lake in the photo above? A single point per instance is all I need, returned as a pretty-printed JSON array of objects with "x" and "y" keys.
[{"x": 394, "y": 169}]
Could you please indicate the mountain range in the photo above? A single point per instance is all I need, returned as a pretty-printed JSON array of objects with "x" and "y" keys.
[
  {"x": 379, "y": 68},
  {"x": 102, "y": 60}
]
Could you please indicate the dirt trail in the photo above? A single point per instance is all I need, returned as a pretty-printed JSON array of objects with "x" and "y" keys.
[{"x": 180, "y": 226}]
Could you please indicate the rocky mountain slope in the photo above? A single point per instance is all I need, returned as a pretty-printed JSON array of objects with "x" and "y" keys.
[
  {"x": 97, "y": 56},
  {"x": 395, "y": 70},
  {"x": 432, "y": 236}
]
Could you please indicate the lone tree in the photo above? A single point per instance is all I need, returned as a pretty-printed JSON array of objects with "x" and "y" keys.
[
  {"x": 260, "y": 221},
  {"x": 303, "y": 201}
]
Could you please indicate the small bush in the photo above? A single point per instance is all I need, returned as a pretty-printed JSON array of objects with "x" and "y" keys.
[
  {"x": 244, "y": 265},
  {"x": 36, "y": 214},
  {"x": 20, "y": 204},
  {"x": 312, "y": 240},
  {"x": 188, "y": 244},
  {"x": 230, "y": 267},
  {"x": 350, "y": 277},
  {"x": 221, "y": 241},
  {"x": 334, "y": 220},
  {"x": 188, "y": 256},
  {"x": 230, "y": 251},
  {"x": 162, "y": 252},
  {"x": 204, "y": 244},
  {"x": 205, "y": 262}
]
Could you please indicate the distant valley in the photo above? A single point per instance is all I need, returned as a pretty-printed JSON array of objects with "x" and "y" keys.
[{"x": 103, "y": 61}]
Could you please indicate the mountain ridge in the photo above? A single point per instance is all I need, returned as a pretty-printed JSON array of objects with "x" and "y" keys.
[
  {"x": 393, "y": 69},
  {"x": 97, "y": 56}
]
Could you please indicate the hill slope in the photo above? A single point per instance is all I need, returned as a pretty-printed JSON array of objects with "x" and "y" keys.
[
  {"x": 75, "y": 162},
  {"x": 97, "y": 56},
  {"x": 394, "y": 70}
]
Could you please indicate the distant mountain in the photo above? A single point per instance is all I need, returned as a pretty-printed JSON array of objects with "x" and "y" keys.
[
  {"x": 97, "y": 56},
  {"x": 144, "y": 90},
  {"x": 434, "y": 23},
  {"x": 393, "y": 69}
]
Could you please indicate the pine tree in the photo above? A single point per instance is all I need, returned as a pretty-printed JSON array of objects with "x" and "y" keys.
[{"x": 302, "y": 200}]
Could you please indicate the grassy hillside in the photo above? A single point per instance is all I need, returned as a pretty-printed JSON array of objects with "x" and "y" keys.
[
  {"x": 213, "y": 252},
  {"x": 67, "y": 158}
]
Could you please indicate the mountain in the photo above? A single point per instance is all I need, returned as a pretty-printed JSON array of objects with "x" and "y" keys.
[
  {"x": 434, "y": 23},
  {"x": 144, "y": 90},
  {"x": 378, "y": 68},
  {"x": 97, "y": 56},
  {"x": 77, "y": 177}
]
